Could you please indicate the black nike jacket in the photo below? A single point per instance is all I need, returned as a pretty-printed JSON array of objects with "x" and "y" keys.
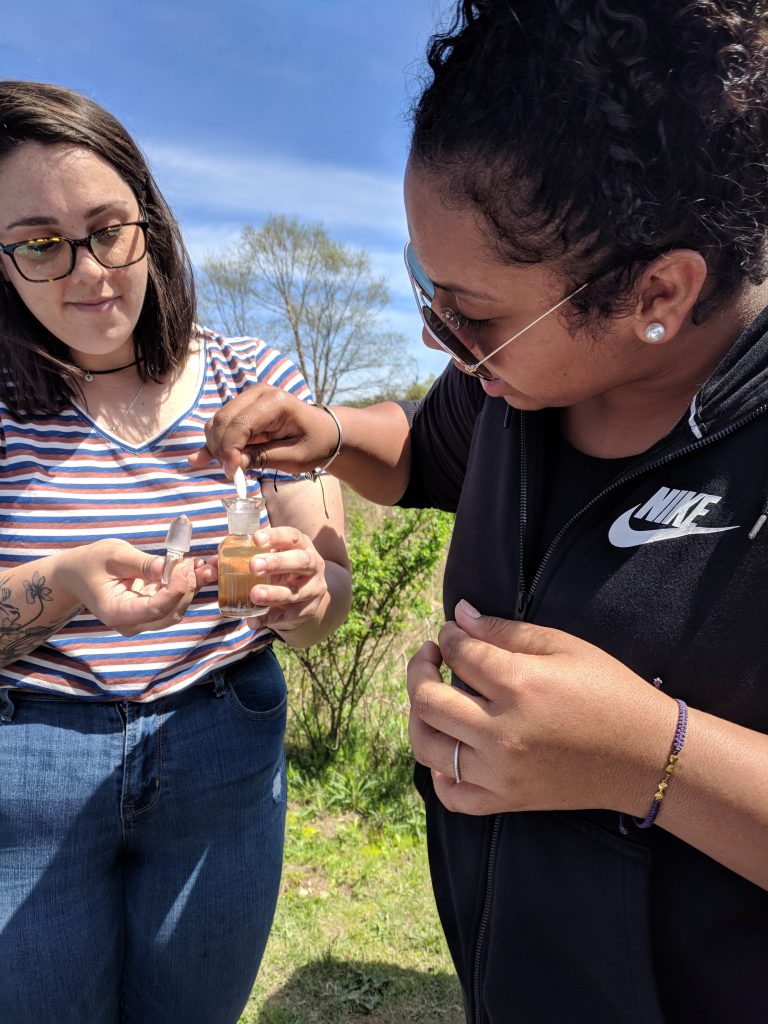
[{"x": 556, "y": 917}]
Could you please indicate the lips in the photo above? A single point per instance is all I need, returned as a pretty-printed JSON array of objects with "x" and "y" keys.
[
  {"x": 94, "y": 305},
  {"x": 495, "y": 388}
]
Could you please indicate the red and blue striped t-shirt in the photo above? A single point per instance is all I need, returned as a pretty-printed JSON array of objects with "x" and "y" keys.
[{"x": 65, "y": 481}]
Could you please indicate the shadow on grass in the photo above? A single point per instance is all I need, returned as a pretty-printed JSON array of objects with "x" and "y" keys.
[{"x": 330, "y": 991}]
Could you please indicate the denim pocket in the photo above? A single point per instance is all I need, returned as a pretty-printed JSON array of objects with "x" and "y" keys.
[{"x": 256, "y": 688}]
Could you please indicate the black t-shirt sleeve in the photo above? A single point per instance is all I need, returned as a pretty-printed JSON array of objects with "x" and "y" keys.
[{"x": 442, "y": 424}]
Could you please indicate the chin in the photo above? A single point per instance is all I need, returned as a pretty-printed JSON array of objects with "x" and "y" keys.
[{"x": 525, "y": 403}]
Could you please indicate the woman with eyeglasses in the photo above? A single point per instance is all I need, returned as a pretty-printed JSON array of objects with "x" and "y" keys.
[
  {"x": 142, "y": 777},
  {"x": 586, "y": 200}
]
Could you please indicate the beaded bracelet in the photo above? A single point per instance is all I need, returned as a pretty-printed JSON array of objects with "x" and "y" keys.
[{"x": 674, "y": 754}]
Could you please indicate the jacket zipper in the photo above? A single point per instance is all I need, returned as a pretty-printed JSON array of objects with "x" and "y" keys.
[
  {"x": 524, "y": 597},
  {"x": 489, "y": 880}
]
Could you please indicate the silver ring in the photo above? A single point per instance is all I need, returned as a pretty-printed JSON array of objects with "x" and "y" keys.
[{"x": 456, "y": 772}]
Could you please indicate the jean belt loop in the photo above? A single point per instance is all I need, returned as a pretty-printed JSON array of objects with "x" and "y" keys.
[
  {"x": 7, "y": 707},
  {"x": 218, "y": 682}
]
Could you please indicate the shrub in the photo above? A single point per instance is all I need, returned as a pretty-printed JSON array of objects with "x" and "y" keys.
[{"x": 393, "y": 561}]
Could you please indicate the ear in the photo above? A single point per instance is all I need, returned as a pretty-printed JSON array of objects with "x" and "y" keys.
[{"x": 667, "y": 292}]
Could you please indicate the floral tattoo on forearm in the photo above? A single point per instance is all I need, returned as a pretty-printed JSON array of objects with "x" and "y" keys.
[{"x": 18, "y": 632}]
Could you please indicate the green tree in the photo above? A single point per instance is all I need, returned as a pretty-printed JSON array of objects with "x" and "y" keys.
[
  {"x": 401, "y": 392},
  {"x": 391, "y": 561},
  {"x": 314, "y": 298}
]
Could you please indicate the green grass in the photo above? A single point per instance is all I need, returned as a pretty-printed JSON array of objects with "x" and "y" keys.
[{"x": 356, "y": 935}]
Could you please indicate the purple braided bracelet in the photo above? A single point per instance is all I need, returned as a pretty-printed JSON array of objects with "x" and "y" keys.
[{"x": 677, "y": 746}]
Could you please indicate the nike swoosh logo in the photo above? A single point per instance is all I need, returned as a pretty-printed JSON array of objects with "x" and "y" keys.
[{"x": 623, "y": 535}]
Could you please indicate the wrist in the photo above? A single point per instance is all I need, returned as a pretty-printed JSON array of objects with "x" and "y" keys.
[
  {"x": 334, "y": 450},
  {"x": 311, "y": 630},
  {"x": 658, "y": 732},
  {"x": 66, "y": 577}
]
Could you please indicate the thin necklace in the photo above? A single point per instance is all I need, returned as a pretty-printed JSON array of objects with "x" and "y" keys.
[
  {"x": 135, "y": 400},
  {"x": 90, "y": 374}
]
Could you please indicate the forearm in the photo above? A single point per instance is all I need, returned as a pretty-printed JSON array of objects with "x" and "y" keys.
[
  {"x": 375, "y": 458},
  {"x": 331, "y": 613},
  {"x": 718, "y": 799},
  {"x": 34, "y": 605}
]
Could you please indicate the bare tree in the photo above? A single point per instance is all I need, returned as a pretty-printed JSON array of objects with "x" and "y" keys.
[{"x": 313, "y": 297}]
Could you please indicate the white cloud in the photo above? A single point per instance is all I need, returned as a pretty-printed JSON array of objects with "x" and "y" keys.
[
  {"x": 247, "y": 188},
  {"x": 214, "y": 199},
  {"x": 203, "y": 238}
]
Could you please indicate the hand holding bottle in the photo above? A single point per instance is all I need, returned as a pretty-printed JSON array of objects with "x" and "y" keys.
[{"x": 290, "y": 586}]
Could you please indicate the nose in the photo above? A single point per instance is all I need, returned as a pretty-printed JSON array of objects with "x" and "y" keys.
[
  {"x": 429, "y": 341},
  {"x": 86, "y": 264}
]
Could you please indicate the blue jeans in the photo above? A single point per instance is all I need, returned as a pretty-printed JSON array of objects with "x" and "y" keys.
[{"x": 140, "y": 851}]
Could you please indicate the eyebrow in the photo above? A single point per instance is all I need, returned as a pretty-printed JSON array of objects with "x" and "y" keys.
[
  {"x": 45, "y": 220},
  {"x": 457, "y": 289}
]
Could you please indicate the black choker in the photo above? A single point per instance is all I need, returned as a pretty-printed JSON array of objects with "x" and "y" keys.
[{"x": 90, "y": 374}]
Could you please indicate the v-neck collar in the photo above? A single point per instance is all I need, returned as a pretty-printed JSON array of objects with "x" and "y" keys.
[{"x": 119, "y": 442}]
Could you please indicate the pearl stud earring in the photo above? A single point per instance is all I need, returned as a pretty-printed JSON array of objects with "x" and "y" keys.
[{"x": 655, "y": 332}]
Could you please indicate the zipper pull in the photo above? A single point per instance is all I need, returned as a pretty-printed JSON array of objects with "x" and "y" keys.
[
  {"x": 522, "y": 604},
  {"x": 763, "y": 518}
]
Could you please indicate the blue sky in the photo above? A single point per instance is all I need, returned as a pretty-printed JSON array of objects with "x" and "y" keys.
[{"x": 251, "y": 107}]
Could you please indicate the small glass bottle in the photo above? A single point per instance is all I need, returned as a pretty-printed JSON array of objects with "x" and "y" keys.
[{"x": 235, "y": 552}]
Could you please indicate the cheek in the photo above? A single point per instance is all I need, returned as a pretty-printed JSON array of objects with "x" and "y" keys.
[
  {"x": 42, "y": 300},
  {"x": 134, "y": 286}
]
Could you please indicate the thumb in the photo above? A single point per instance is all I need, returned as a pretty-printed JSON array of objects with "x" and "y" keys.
[
  {"x": 509, "y": 634},
  {"x": 149, "y": 568},
  {"x": 137, "y": 564}
]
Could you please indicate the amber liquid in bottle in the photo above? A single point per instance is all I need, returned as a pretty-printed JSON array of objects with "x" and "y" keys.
[{"x": 235, "y": 581}]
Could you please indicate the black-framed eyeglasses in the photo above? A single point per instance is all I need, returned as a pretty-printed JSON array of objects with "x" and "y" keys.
[
  {"x": 444, "y": 325},
  {"x": 50, "y": 258}
]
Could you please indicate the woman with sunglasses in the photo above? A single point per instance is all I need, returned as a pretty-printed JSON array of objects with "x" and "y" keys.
[
  {"x": 586, "y": 200},
  {"x": 142, "y": 778}
]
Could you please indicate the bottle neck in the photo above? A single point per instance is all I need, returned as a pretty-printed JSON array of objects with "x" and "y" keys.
[{"x": 242, "y": 524}]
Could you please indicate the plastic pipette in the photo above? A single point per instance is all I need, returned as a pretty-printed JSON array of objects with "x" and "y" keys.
[{"x": 240, "y": 483}]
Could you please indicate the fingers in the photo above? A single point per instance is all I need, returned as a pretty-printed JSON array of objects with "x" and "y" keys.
[
  {"x": 266, "y": 426},
  {"x": 147, "y": 607},
  {"x": 292, "y": 561},
  {"x": 243, "y": 432},
  {"x": 439, "y": 711},
  {"x": 292, "y": 568},
  {"x": 520, "y": 637},
  {"x": 491, "y": 671},
  {"x": 496, "y": 656},
  {"x": 123, "y": 561},
  {"x": 201, "y": 458},
  {"x": 206, "y": 571},
  {"x": 464, "y": 797},
  {"x": 282, "y": 538},
  {"x": 438, "y": 752}
]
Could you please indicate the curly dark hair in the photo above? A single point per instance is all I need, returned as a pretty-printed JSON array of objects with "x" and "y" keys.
[
  {"x": 598, "y": 134},
  {"x": 38, "y": 375}
]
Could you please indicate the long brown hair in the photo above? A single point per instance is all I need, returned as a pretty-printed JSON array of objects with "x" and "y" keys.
[{"x": 37, "y": 375}]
